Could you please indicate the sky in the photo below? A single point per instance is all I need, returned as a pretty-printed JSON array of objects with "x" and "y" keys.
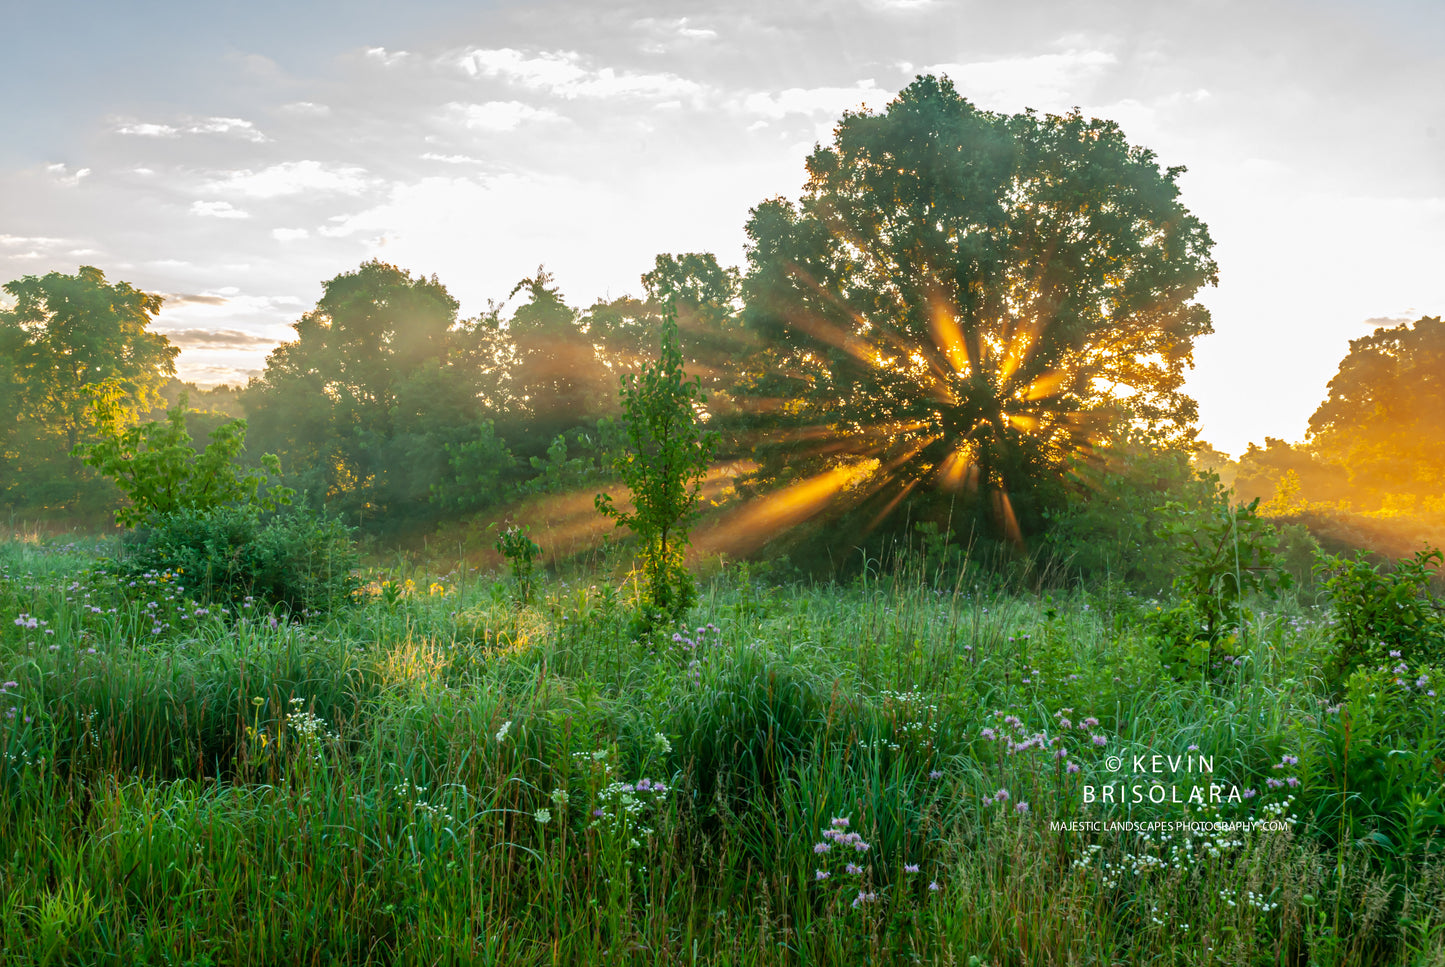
[{"x": 235, "y": 155}]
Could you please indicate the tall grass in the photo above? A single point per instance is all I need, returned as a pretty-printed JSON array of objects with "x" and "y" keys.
[{"x": 878, "y": 773}]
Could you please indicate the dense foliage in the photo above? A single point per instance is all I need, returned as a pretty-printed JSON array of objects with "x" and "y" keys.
[
  {"x": 66, "y": 340},
  {"x": 962, "y": 300}
]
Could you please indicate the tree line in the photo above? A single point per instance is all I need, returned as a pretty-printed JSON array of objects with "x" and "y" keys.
[{"x": 961, "y": 307}]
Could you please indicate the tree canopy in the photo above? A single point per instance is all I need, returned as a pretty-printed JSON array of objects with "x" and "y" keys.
[
  {"x": 1384, "y": 417},
  {"x": 68, "y": 341},
  {"x": 367, "y": 374},
  {"x": 962, "y": 299}
]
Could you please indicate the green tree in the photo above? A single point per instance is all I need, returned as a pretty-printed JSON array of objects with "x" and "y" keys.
[
  {"x": 963, "y": 300},
  {"x": 1383, "y": 421},
  {"x": 156, "y": 467},
  {"x": 362, "y": 404},
  {"x": 67, "y": 338},
  {"x": 555, "y": 376},
  {"x": 667, "y": 454}
]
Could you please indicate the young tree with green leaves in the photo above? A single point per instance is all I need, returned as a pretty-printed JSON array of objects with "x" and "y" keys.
[
  {"x": 156, "y": 467},
  {"x": 667, "y": 454}
]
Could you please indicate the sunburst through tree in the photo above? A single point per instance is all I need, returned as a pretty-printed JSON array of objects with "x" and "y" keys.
[{"x": 962, "y": 300}]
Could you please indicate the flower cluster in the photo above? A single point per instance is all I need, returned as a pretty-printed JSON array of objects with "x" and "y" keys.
[{"x": 692, "y": 648}]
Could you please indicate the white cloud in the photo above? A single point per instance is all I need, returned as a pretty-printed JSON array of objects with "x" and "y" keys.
[
  {"x": 831, "y": 101},
  {"x": 217, "y": 209},
  {"x": 906, "y": 6},
  {"x": 680, "y": 27},
  {"x": 451, "y": 159},
  {"x": 289, "y": 234},
  {"x": 143, "y": 130},
  {"x": 31, "y": 241},
  {"x": 65, "y": 177},
  {"x": 385, "y": 57},
  {"x": 238, "y": 127},
  {"x": 497, "y": 115},
  {"x": 293, "y": 178},
  {"x": 1046, "y": 81},
  {"x": 306, "y": 109},
  {"x": 563, "y": 74},
  {"x": 206, "y": 375}
]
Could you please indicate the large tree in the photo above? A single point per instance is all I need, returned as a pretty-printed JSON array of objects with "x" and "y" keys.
[
  {"x": 67, "y": 340},
  {"x": 363, "y": 403},
  {"x": 962, "y": 299},
  {"x": 1384, "y": 418}
]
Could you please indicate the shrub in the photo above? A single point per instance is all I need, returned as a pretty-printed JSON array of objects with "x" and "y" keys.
[
  {"x": 298, "y": 560},
  {"x": 1114, "y": 526},
  {"x": 517, "y": 546},
  {"x": 155, "y": 466},
  {"x": 1224, "y": 558},
  {"x": 1377, "y": 612},
  {"x": 1381, "y": 786}
]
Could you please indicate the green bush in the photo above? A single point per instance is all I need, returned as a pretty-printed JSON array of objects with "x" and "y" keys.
[
  {"x": 156, "y": 467},
  {"x": 1383, "y": 781},
  {"x": 299, "y": 560},
  {"x": 1378, "y": 613},
  {"x": 1114, "y": 526}
]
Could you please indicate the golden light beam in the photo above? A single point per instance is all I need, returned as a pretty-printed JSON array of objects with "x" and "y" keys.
[
  {"x": 948, "y": 336},
  {"x": 756, "y": 522},
  {"x": 953, "y": 472}
]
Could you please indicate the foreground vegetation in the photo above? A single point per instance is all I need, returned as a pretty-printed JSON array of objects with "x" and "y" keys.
[{"x": 878, "y": 773}]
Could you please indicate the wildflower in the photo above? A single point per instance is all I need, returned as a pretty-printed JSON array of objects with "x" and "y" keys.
[
  {"x": 660, "y": 742},
  {"x": 821, "y": 874},
  {"x": 1100, "y": 740},
  {"x": 543, "y": 816},
  {"x": 839, "y": 822},
  {"x": 933, "y": 887},
  {"x": 1021, "y": 808},
  {"x": 502, "y": 732},
  {"x": 910, "y": 867},
  {"x": 822, "y": 847},
  {"x": 935, "y": 774},
  {"x": 1000, "y": 796},
  {"x": 853, "y": 869},
  {"x": 1071, "y": 768}
]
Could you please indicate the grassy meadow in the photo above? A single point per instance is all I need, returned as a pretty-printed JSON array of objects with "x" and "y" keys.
[{"x": 908, "y": 768}]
